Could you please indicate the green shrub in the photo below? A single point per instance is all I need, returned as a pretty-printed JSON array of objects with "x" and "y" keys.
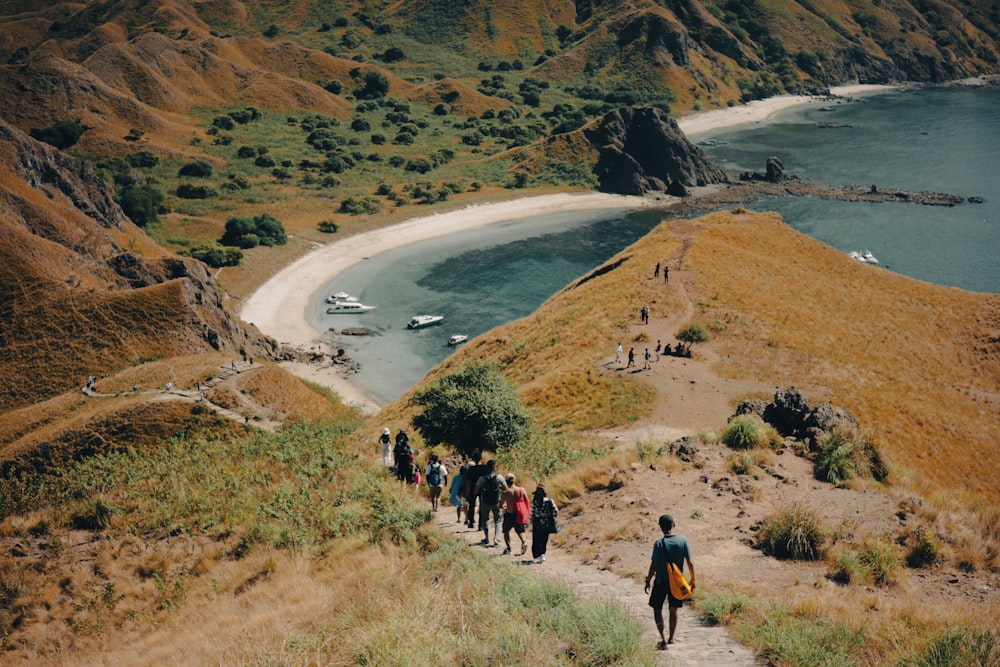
[
  {"x": 140, "y": 203},
  {"x": 882, "y": 561},
  {"x": 746, "y": 432},
  {"x": 96, "y": 516},
  {"x": 843, "y": 455},
  {"x": 957, "y": 646},
  {"x": 923, "y": 548},
  {"x": 217, "y": 256},
  {"x": 63, "y": 134},
  {"x": 329, "y": 227},
  {"x": 794, "y": 533},
  {"x": 197, "y": 169},
  {"x": 264, "y": 229}
]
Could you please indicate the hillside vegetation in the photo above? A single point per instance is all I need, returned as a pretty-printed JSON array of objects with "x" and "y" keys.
[{"x": 325, "y": 114}]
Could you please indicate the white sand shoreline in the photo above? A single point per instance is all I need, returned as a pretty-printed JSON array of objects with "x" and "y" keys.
[{"x": 278, "y": 308}]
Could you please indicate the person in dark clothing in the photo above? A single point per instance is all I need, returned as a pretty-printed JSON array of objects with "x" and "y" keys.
[
  {"x": 475, "y": 471},
  {"x": 404, "y": 458}
]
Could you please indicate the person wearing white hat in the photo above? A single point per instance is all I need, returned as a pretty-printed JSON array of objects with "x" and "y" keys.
[{"x": 385, "y": 441}]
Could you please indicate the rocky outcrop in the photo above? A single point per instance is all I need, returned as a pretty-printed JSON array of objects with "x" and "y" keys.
[
  {"x": 641, "y": 150},
  {"x": 791, "y": 415}
]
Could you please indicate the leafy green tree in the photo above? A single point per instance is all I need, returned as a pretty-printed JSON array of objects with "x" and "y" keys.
[
  {"x": 474, "y": 409},
  {"x": 140, "y": 203},
  {"x": 376, "y": 86},
  {"x": 263, "y": 229},
  {"x": 692, "y": 333},
  {"x": 198, "y": 169}
]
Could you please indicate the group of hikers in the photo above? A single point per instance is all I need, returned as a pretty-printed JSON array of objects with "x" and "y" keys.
[
  {"x": 507, "y": 506},
  {"x": 501, "y": 501}
]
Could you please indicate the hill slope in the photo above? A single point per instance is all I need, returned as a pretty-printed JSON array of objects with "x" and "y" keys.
[{"x": 84, "y": 291}]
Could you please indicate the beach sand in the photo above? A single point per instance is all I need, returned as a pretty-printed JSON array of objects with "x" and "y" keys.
[{"x": 278, "y": 308}]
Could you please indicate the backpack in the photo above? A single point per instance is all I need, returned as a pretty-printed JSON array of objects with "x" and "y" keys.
[
  {"x": 491, "y": 490},
  {"x": 434, "y": 475}
]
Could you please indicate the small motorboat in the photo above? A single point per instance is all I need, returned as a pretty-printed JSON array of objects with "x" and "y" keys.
[
  {"x": 421, "y": 321},
  {"x": 457, "y": 339},
  {"x": 348, "y": 308},
  {"x": 340, "y": 296},
  {"x": 863, "y": 256}
]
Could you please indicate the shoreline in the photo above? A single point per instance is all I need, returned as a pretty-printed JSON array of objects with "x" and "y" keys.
[{"x": 278, "y": 307}]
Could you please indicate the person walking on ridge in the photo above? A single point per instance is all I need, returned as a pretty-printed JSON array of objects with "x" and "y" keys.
[
  {"x": 618, "y": 353},
  {"x": 471, "y": 477},
  {"x": 631, "y": 358},
  {"x": 384, "y": 440},
  {"x": 670, "y": 549},
  {"x": 646, "y": 367},
  {"x": 543, "y": 523},
  {"x": 436, "y": 475},
  {"x": 516, "y": 510},
  {"x": 455, "y": 494},
  {"x": 489, "y": 489}
]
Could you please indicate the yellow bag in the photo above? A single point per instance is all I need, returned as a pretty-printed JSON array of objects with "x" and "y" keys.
[{"x": 680, "y": 589}]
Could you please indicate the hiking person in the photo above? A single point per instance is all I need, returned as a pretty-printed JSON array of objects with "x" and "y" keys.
[
  {"x": 516, "y": 510},
  {"x": 631, "y": 357},
  {"x": 404, "y": 458},
  {"x": 646, "y": 366},
  {"x": 436, "y": 475},
  {"x": 385, "y": 441},
  {"x": 472, "y": 476},
  {"x": 488, "y": 488},
  {"x": 543, "y": 523},
  {"x": 455, "y": 495},
  {"x": 670, "y": 549},
  {"x": 618, "y": 353}
]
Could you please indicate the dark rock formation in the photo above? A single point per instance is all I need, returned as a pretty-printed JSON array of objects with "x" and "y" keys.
[
  {"x": 642, "y": 150},
  {"x": 791, "y": 415}
]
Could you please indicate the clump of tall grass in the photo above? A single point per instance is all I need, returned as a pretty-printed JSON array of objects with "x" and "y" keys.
[
  {"x": 749, "y": 432},
  {"x": 843, "y": 455},
  {"x": 794, "y": 533},
  {"x": 923, "y": 547},
  {"x": 959, "y": 645},
  {"x": 874, "y": 562}
]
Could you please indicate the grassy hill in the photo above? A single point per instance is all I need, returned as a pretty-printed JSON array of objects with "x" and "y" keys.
[{"x": 142, "y": 524}]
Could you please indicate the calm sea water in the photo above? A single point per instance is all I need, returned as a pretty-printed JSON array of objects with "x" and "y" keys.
[
  {"x": 478, "y": 280},
  {"x": 943, "y": 140}
]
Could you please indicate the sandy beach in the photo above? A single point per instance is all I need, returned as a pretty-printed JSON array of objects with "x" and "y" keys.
[{"x": 278, "y": 308}]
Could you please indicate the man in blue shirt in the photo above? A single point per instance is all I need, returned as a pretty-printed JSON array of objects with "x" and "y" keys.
[{"x": 673, "y": 549}]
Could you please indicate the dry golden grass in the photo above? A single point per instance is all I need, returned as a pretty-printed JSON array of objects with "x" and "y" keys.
[{"x": 917, "y": 364}]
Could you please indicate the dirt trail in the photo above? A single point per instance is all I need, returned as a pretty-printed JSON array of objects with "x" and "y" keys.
[
  {"x": 698, "y": 644},
  {"x": 690, "y": 397}
]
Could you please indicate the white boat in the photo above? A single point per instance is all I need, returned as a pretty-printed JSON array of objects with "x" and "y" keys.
[
  {"x": 864, "y": 256},
  {"x": 347, "y": 308},
  {"x": 457, "y": 339},
  {"x": 421, "y": 321},
  {"x": 340, "y": 296}
]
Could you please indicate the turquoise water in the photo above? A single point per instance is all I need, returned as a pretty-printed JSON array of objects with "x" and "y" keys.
[{"x": 943, "y": 140}]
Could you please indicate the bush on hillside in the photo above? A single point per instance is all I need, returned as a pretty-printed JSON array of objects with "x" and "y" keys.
[
  {"x": 474, "y": 409},
  {"x": 217, "y": 256},
  {"x": 188, "y": 191},
  {"x": 140, "y": 203},
  {"x": 197, "y": 169},
  {"x": 248, "y": 232},
  {"x": 843, "y": 455},
  {"x": 794, "y": 533},
  {"x": 63, "y": 134},
  {"x": 749, "y": 432}
]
